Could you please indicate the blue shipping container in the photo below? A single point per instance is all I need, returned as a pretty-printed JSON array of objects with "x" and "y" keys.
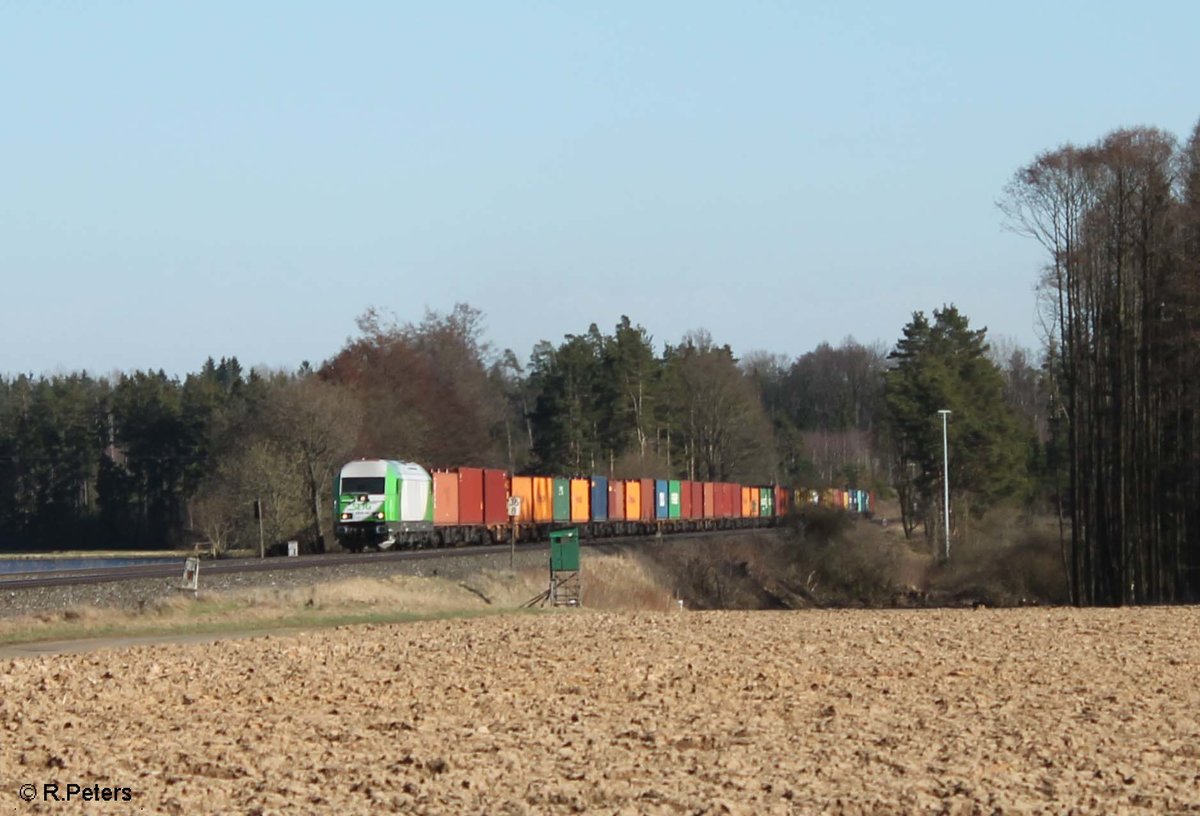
[
  {"x": 661, "y": 508},
  {"x": 599, "y": 498}
]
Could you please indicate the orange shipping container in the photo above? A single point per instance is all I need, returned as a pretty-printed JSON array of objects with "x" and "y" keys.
[
  {"x": 445, "y": 497},
  {"x": 710, "y": 507},
  {"x": 522, "y": 487},
  {"x": 581, "y": 491},
  {"x": 633, "y": 500},
  {"x": 749, "y": 505},
  {"x": 543, "y": 499}
]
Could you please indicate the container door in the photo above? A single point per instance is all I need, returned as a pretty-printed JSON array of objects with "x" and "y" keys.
[
  {"x": 470, "y": 495},
  {"x": 562, "y": 499},
  {"x": 581, "y": 496},
  {"x": 599, "y": 498},
  {"x": 445, "y": 497}
]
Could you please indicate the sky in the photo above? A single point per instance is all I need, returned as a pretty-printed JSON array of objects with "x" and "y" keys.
[{"x": 192, "y": 179}]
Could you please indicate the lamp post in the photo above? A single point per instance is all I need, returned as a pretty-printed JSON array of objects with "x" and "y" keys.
[{"x": 946, "y": 479}]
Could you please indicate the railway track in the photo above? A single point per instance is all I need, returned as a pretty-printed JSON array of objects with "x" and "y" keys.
[{"x": 99, "y": 575}]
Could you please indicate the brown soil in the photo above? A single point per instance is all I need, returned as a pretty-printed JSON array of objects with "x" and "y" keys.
[{"x": 937, "y": 711}]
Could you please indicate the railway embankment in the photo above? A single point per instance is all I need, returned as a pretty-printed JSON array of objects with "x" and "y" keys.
[{"x": 816, "y": 565}]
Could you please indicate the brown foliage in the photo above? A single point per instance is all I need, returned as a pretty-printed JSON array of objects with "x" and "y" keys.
[{"x": 425, "y": 389}]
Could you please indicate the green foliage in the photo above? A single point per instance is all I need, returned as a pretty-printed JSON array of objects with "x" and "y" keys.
[
  {"x": 606, "y": 403},
  {"x": 51, "y": 433},
  {"x": 724, "y": 431},
  {"x": 944, "y": 365},
  {"x": 820, "y": 524}
]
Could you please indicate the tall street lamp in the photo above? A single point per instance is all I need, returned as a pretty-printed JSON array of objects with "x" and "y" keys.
[{"x": 946, "y": 478}]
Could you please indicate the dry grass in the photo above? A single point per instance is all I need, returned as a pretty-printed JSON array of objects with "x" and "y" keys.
[
  {"x": 612, "y": 582},
  {"x": 1009, "y": 562},
  {"x": 624, "y": 582},
  {"x": 397, "y": 597}
]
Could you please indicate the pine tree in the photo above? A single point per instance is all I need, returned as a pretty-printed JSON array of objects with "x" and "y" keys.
[{"x": 944, "y": 366}]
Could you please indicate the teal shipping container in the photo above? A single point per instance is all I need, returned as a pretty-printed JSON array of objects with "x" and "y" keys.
[
  {"x": 674, "y": 502},
  {"x": 562, "y": 499},
  {"x": 661, "y": 489}
]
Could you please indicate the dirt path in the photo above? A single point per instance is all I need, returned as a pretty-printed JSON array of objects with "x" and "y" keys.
[{"x": 1017, "y": 711}]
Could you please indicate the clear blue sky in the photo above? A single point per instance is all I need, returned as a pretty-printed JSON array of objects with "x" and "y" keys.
[{"x": 187, "y": 179}]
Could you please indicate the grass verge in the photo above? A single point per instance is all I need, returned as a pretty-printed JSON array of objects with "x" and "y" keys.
[{"x": 395, "y": 599}]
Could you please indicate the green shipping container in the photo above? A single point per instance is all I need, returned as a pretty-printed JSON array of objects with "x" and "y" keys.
[
  {"x": 564, "y": 550},
  {"x": 766, "y": 502},
  {"x": 673, "y": 505},
  {"x": 562, "y": 499}
]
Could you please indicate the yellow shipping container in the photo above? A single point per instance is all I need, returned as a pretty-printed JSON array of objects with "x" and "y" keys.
[
  {"x": 522, "y": 487},
  {"x": 581, "y": 492},
  {"x": 633, "y": 500},
  {"x": 543, "y": 499}
]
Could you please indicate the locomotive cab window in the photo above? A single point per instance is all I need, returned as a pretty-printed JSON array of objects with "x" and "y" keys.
[{"x": 362, "y": 484}]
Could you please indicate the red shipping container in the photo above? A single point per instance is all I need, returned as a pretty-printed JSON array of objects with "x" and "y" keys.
[
  {"x": 495, "y": 496},
  {"x": 470, "y": 495},
  {"x": 616, "y": 500},
  {"x": 734, "y": 497},
  {"x": 707, "y": 497},
  {"x": 445, "y": 497},
  {"x": 697, "y": 500},
  {"x": 685, "y": 500},
  {"x": 647, "y": 500}
]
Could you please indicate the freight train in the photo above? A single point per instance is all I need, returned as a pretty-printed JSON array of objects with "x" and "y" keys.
[{"x": 383, "y": 503}]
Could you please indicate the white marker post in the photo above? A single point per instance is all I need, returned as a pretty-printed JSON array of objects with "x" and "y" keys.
[
  {"x": 514, "y": 510},
  {"x": 191, "y": 576}
]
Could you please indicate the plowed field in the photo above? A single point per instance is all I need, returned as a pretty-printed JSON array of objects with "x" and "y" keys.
[{"x": 1020, "y": 711}]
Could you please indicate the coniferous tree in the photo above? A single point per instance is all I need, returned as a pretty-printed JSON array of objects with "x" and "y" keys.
[{"x": 944, "y": 365}]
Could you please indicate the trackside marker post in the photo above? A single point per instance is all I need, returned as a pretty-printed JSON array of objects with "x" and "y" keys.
[
  {"x": 191, "y": 576},
  {"x": 514, "y": 510}
]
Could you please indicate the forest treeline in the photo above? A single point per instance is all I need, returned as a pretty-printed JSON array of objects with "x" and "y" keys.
[
  {"x": 1120, "y": 300},
  {"x": 149, "y": 460},
  {"x": 1101, "y": 427}
]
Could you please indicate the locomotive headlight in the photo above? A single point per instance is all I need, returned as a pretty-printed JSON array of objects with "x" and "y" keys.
[
  {"x": 345, "y": 516},
  {"x": 363, "y": 497},
  {"x": 379, "y": 515}
]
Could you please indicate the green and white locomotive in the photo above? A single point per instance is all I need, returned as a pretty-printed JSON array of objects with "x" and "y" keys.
[{"x": 381, "y": 503}]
